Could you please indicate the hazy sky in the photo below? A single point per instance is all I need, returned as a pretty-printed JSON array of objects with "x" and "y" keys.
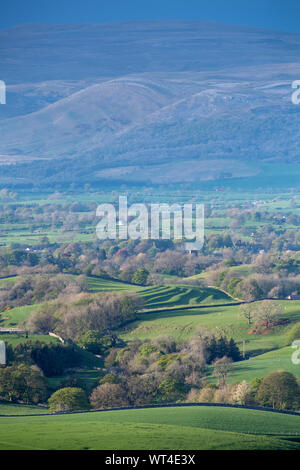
[{"x": 276, "y": 14}]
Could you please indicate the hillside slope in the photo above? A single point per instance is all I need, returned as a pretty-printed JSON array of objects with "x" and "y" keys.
[{"x": 148, "y": 101}]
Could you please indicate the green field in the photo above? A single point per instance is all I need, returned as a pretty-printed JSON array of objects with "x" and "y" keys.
[
  {"x": 155, "y": 297},
  {"x": 263, "y": 364},
  {"x": 269, "y": 350},
  {"x": 12, "y": 319},
  {"x": 97, "y": 284},
  {"x": 239, "y": 271},
  {"x": 163, "y": 296},
  {"x": 182, "y": 324},
  {"x": 166, "y": 428},
  {"x": 15, "y": 409},
  {"x": 179, "y": 295},
  {"x": 16, "y": 315},
  {"x": 15, "y": 339}
]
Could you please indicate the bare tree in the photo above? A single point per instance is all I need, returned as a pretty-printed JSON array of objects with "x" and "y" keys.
[
  {"x": 247, "y": 312},
  {"x": 268, "y": 313},
  {"x": 222, "y": 368},
  {"x": 108, "y": 396}
]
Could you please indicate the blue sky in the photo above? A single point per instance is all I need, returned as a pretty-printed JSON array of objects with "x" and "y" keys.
[{"x": 276, "y": 14}]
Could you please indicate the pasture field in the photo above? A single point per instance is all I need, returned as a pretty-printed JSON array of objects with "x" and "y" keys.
[
  {"x": 269, "y": 350},
  {"x": 155, "y": 296},
  {"x": 25, "y": 237},
  {"x": 163, "y": 296},
  {"x": 239, "y": 271},
  {"x": 15, "y": 316},
  {"x": 263, "y": 364},
  {"x": 97, "y": 284},
  {"x": 183, "y": 324},
  {"x": 16, "y": 409},
  {"x": 182, "y": 295},
  {"x": 12, "y": 319},
  {"x": 171, "y": 428},
  {"x": 15, "y": 339}
]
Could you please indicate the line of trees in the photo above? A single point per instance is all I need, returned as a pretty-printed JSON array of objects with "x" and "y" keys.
[{"x": 278, "y": 390}]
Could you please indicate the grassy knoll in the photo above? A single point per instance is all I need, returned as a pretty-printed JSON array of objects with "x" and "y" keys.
[
  {"x": 227, "y": 320},
  {"x": 168, "y": 428}
]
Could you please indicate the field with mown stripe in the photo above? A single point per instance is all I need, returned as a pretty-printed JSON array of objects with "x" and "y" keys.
[
  {"x": 180, "y": 295},
  {"x": 165, "y": 295},
  {"x": 155, "y": 296}
]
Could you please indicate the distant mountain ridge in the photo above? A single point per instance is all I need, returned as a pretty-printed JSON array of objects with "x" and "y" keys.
[{"x": 150, "y": 101}]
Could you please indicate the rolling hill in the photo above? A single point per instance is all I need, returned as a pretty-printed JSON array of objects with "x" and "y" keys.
[
  {"x": 148, "y": 102},
  {"x": 182, "y": 324},
  {"x": 200, "y": 428}
]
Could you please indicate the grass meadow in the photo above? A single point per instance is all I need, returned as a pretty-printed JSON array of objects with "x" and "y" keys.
[{"x": 170, "y": 428}]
